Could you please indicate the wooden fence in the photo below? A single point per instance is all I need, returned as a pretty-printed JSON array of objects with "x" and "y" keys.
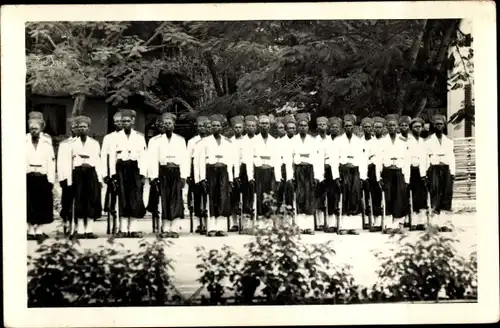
[{"x": 465, "y": 175}]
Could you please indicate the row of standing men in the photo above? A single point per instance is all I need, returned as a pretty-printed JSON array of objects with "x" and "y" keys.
[{"x": 336, "y": 182}]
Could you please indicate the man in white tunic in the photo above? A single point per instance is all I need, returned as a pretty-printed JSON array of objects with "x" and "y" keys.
[
  {"x": 418, "y": 170},
  {"x": 264, "y": 169},
  {"x": 108, "y": 143},
  {"x": 352, "y": 170},
  {"x": 286, "y": 188},
  {"x": 237, "y": 141},
  {"x": 43, "y": 136},
  {"x": 64, "y": 171},
  {"x": 195, "y": 192},
  {"x": 241, "y": 167},
  {"x": 375, "y": 192},
  {"x": 169, "y": 171},
  {"x": 216, "y": 158},
  {"x": 394, "y": 174},
  {"x": 40, "y": 178},
  {"x": 441, "y": 173},
  {"x": 305, "y": 165},
  {"x": 324, "y": 144},
  {"x": 86, "y": 179},
  {"x": 129, "y": 172},
  {"x": 154, "y": 191}
]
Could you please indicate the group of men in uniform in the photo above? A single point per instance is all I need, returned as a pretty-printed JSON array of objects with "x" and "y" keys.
[{"x": 336, "y": 181}]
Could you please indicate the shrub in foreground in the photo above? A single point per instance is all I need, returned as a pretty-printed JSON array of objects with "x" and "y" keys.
[
  {"x": 62, "y": 274},
  {"x": 425, "y": 269}
]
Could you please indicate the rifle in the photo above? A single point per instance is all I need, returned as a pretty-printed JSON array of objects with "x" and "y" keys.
[
  {"x": 410, "y": 219},
  {"x": 254, "y": 208},
  {"x": 340, "y": 212},
  {"x": 383, "y": 210}
]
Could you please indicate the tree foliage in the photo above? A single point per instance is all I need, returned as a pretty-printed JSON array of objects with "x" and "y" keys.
[{"x": 242, "y": 67}]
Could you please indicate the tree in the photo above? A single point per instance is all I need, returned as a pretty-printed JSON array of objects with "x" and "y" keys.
[{"x": 247, "y": 67}]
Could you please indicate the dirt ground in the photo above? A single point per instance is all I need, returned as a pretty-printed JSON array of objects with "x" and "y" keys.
[{"x": 358, "y": 251}]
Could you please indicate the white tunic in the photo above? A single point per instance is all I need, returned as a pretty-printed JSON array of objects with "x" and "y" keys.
[
  {"x": 86, "y": 153},
  {"x": 441, "y": 152},
  {"x": 129, "y": 148},
  {"x": 285, "y": 146},
  {"x": 173, "y": 150},
  {"x": 210, "y": 152},
  {"x": 265, "y": 152},
  {"x": 151, "y": 154},
  {"x": 394, "y": 154},
  {"x": 417, "y": 154},
  {"x": 305, "y": 151},
  {"x": 64, "y": 159},
  {"x": 108, "y": 143},
  {"x": 349, "y": 152},
  {"x": 190, "y": 146},
  {"x": 43, "y": 136},
  {"x": 243, "y": 153},
  {"x": 41, "y": 159}
]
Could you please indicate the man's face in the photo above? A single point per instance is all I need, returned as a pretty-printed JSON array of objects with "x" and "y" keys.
[
  {"x": 416, "y": 128},
  {"x": 335, "y": 129},
  {"x": 201, "y": 127},
  {"x": 264, "y": 126},
  {"x": 35, "y": 130},
  {"x": 74, "y": 130},
  {"x": 83, "y": 129},
  {"x": 391, "y": 127},
  {"x": 303, "y": 127},
  {"x": 127, "y": 122},
  {"x": 281, "y": 129},
  {"x": 238, "y": 129},
  {"x": 216, "y": 127},
  {"x": 251, "y": 127},
  {"x": 404, "y": 127},
  {"x": 367, "y": 129},
  {"x": 160, "y": 127},
  {"x": 348, "y": 127},
  {"x": 322, "y": 126},
  {"x": 117, "y": 121},
  {"x": 291, "y": 129},
  {"x": 208, "y": 127},
  {"x": 378, "y": 128},
  {"x": 168, "y": 123},
  {"x": 439, "y": 126}
]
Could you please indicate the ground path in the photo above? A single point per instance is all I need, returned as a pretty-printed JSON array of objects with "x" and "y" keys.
[{"x": 354, "y": 250}]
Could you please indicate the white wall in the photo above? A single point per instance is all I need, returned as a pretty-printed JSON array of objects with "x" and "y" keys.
[{"x": 455, "y": 97}]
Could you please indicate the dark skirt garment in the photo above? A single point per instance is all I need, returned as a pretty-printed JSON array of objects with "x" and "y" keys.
[
  {"x": 197, "y": 199},
  {"x": 418, "y": 190},
  {"x": 328, "y": 192},
  {"x": 172, "y": 203},
  {"x": 374, "y": 192},
  {"x": 110, "y": 199},
  {"x": 396, "y": 200},
  {"x": 265, "y": 183},
  {"x": 305, "y": 195},
  {"x": 440, "y": 187},
  {"x": 66, "y": 203},
  {"x": 218, "y": 189},
  {"x": 285, "y": 192},
  {"x": 235, "y": 198},
  {"x": 130, "y": 189},
  {"x": 153, "y": 199},
  {"x": 87, "y": 192},
  {"x": 351, "y": 190},
  {"x": 247, "y": 190},
  {"x": 39, "y": 199}
]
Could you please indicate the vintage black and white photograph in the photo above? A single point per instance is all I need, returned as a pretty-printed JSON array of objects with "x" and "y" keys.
[{"x": 250, "y": 162}]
